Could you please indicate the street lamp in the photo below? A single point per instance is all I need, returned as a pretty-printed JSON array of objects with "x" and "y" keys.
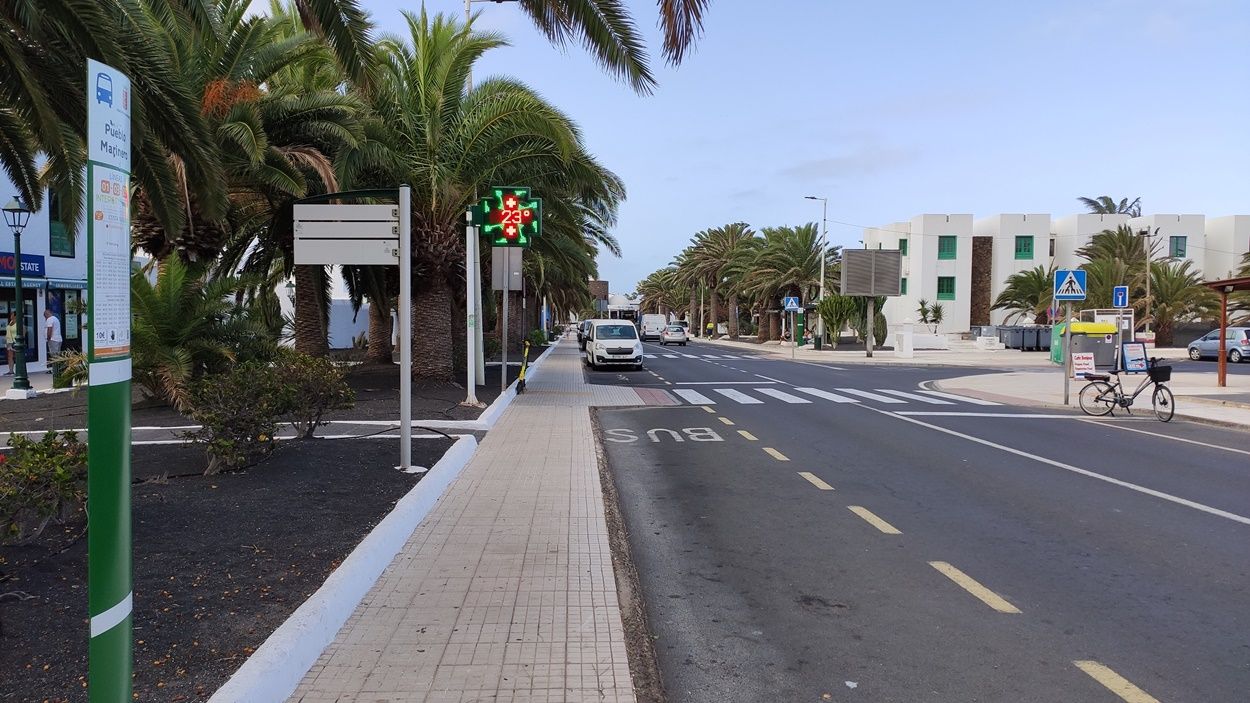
[
  {"x": 824, "y": 242},
  {"x": 16, "y": 215}
]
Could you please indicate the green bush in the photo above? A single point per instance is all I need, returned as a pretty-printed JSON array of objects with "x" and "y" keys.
[
  {"x": 238, "y": 412},
  {"x": 40, "y": 482},
  {"x": 537, "y": 339},
  {"x": 491, "y": 348},
  {"x": 309, "y": 387}
]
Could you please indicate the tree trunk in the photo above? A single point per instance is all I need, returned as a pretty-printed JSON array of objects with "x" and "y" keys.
[
  {"x": 733, "y": 317},
  {"x": 431, "y": 332},
  {"x": 714, "y": 311},
  {"x": 310, "y": 331},
  {"x": 691, "y": 317},
  {"x": 774, "y": 325},
  {"x": 380, "y": 326}
]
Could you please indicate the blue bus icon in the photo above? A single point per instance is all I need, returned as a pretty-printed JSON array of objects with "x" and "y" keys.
[{"x": 104, "y": 89}]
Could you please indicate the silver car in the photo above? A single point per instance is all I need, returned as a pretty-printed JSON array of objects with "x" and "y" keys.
[
  {"x": 673, "y": 334},
  {"x": 1237, "y": 344}
]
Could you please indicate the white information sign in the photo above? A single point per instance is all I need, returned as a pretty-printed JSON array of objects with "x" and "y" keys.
[
  {"x": 110, "y": 263},
  {"x": 1082, "y": 363},
  {"x": 108, "y": 116}
]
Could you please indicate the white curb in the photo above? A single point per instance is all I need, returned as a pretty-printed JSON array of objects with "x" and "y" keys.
[{"x": 275, "y": 670}]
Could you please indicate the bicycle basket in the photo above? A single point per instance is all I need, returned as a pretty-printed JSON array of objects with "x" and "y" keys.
[{"x": 1160, "y": 374}]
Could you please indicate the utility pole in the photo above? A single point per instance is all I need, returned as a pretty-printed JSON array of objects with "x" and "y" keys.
[
  {"x": 1149, "y": 301},
  {"x": 824, "y": 242}
]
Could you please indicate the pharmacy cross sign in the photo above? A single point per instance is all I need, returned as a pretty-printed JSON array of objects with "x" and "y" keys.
[{"x": 510, "y": 216}]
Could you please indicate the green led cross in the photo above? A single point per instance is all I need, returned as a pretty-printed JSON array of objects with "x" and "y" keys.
[{"x": 511, "y": 216}]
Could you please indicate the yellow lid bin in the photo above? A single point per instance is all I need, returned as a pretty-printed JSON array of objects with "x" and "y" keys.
[{"x": 1091, "y": 328}]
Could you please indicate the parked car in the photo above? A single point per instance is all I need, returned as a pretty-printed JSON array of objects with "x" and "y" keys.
[
  {"x": 613, "y": 343},
  {"x": 673, "y": 334},
  {"x": 582, "y": 329},
  {"x": 1237, "y": 344},
  {"x": 652, "y": 326}
]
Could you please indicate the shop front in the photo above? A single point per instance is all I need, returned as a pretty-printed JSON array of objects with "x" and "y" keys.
[{"x": 65, "y": 298}]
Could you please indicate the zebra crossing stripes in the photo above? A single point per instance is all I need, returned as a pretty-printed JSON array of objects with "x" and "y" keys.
[
  {"x": 914, "y": 396},
  {"x": 872, "y": 396},
  {"x": 782, "y": 395},
  {"x": 693, "y": 397},
  {"x": 826, "y": 395},
  {"x": 963, "y": 398},
  {"x": 738, "y": 396}
]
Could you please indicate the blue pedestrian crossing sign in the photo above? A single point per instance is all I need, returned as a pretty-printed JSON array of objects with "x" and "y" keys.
[
  {"x": 791, "y": 303},
  {"x": 1119, "y": 297},
  {"x": 1069, "y": 284}
]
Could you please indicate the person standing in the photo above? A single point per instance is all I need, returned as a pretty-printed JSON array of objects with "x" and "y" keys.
[
  {"x": 10, "y": 341},
  {"x": 52, "y": 325}
]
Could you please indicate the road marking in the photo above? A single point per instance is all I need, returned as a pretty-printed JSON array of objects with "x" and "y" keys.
[
  {"x": 738, "y": 396},
  {"x": 871, "y": 396},
  {"x": 648, "y": 356},
  {"x": 827, "y": 395},
  {"x": 748, "y": 435},
  {"x": 720, "y": 383},
  {"x": 775, "y": 454},
  {"x": 782, "y": 395},
  {"x": 689, "y": 356},
  {"x": 913, "y": 396},
  {"x": 728, "y": 356},
  {"x": 694, "y": 397},
  {"x": 669, "y": 356},
  {"x": 710, "y": 356},
  {"x": 1112, "y": 423},
  {"x": 769, "y": 379},
  {"x": 659, "y": 377},
  {"x": 1115, "y": 683},
  {"x": 706, "y": 407},
  {"x": 961, "y": 398},
  {"x": 815, "y": 480},
  {"x": 725, "y": 420},
  {"x": 1074, "y": 469},
  {"x": 951, "y": 413},
  {"x": 972, "y": 586},
  {"x": 872, "y": 519}
]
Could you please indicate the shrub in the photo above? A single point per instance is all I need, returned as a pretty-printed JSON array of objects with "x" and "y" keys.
[
  {"x": 40, "y": 482},
  {"x": 537, "y": 338},
  {"x": 238, "y": 412},
  {"x": 491, "y": 348},
  {"x": 309, "y": 387}
]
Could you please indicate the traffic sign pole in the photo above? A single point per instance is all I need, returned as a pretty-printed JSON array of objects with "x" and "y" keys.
[{"x": 1067, "y": 353}]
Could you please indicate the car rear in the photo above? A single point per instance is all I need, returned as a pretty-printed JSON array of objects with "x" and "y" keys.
[
  {"x": 673, "y": 334},
  {"x": 652, "y": 327}
]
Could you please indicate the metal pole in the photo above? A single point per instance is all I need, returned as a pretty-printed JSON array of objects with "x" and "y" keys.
[
  {"x": 794, "y": 340},
  {"x": 824, "y": 244},
  {"x": 21, "y": 381},
  {"x": 470, "y": 313},
  {"x": 1067, "y": 353},
  {"x": 1149, "y": 302},
  {"x": 405, "y": 328},
  {"x": 872, "y": 313},
  {"x": 507, "y": 283}
]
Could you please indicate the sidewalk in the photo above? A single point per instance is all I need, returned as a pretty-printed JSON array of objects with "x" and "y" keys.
[
  {"x": 1197, "y": 396},
  {"x": 506, "y": 592}
]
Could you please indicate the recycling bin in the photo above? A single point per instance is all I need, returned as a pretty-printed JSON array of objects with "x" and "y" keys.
[
  {"x": 1028, "y": 339},
  {"x": 1095, "y": 337},
  {"x": 1011, "y": 336}
]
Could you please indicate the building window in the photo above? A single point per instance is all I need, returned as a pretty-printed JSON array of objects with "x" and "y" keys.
[
  {"x": 902, "y": 286},
  {"x": 1052, "y": 247},
  {"x": 902, "y": 247},
  {"x": 1177, "y": 247},
  {"x": 60, "y": 242},
  {"x": 1024, "y": 246},
  {"x": 946, "y": 288},
  {"x": 946, "y": 246}
]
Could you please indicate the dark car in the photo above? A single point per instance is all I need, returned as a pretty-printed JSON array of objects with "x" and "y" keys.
[{"x": 582, "y": 330}]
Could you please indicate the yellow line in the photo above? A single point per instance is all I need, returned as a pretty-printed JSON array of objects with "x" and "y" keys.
[
  {"x": 725, "y": 420},
  {"x": 871, "y": 518},
  {"x": 708, "y": 408},
  {"x": 971, "y": 585},
  {"x": 775, "y": 454},
  {"x": 1115, "y": 683},
  {"x": 748, "y": 435},
  {"x": 815, "y": 481}
]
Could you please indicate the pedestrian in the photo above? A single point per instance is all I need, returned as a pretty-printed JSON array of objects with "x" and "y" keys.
[
  {"x": 10, "y": 341},
  {"x": 52, "y": 325}
]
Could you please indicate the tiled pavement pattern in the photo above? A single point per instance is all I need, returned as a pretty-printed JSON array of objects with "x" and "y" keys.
[{"x": 506, "y": 591}]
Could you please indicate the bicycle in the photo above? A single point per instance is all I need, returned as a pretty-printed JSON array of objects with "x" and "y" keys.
[{"x": 1103, "y": 394}]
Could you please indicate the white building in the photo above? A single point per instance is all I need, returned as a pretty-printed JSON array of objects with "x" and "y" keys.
[
  {"x": 937, "y": 267},
  {"x": 54, "y": 277},
  {"x": 1016, "y": 242},
  {"x": 1176, "y": 236},
  {"x": 1074, "y": 231},
  {"x": 1228, "y": 239}
]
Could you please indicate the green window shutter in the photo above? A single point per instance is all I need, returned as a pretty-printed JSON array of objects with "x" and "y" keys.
[
  {"x": 902, "y": 248},
  {"x": 946, "y": 246},
  {"x": 902, "y": 286},
  {"x": 1024, "y": 246},
  {"x": 946, "y": 288},
  {"x": 1177, "y": 247}
]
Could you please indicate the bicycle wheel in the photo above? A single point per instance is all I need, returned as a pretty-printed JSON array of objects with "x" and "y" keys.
[
  {"x": 1164, "y": 403},
  {"x": 1097, "y": 398}
]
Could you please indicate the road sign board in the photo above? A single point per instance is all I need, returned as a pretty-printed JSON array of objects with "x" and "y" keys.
[
  {"x": 871, "y": 272},
  {"x": 1119, "y": 297},
  {"x": 1070, "y": 284},
  {"x": 791, "y": 303},
  {"x": 346, "y": 234}
]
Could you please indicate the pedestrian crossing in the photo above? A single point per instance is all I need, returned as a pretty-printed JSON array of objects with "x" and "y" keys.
[
  {"x": 709, "y": 357},
  {"x": 711, "y": 394}
]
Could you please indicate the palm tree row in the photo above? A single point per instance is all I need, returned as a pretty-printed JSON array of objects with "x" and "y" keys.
[
  {"x": 236, "y": 116},
  {"x": 734, "y": 265}
]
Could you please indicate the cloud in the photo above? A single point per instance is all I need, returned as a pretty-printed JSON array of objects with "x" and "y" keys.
[{"x": 862, "y": 160}]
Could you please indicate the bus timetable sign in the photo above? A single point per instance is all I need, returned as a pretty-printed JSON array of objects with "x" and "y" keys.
[{"x": 511, "y": 216}]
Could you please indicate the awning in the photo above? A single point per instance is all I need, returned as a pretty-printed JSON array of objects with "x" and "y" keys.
[{"x": 27, "y": 283}]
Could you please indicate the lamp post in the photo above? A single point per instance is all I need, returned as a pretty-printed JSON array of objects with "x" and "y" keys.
[
  {"x": 1149, "y": 303},
  {"x": 824, "y": 242},
  {"x": 16, "y": 215}
]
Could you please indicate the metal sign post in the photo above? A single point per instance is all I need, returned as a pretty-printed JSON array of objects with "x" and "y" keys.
[
  {"x": 471, "y": 290},
  {"x": 1119, "y": 298},
  {"x": 1069, "y": 285},
  {"x": 405, "y": 328},
  {"x": 870, "y": 273},
  {"x": 110, "y": 598},
  {"x": 872, "y": 313},
  {"x": 1067, "y": 353}
]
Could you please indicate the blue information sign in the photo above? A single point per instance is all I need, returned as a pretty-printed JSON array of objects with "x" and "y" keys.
[
  {"x": 791, "y": 303},
  {"x": 1119, "y": 297},
  {"x": 1070, "y": 284}
]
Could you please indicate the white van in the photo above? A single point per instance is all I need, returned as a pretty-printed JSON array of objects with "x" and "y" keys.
[{"x": 652, "y": 327}]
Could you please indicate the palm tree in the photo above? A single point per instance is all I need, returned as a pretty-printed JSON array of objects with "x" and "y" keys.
[
  {"x": 660, "y": 291},
  {"x": 1239, "y": 303},
  {"x": 1027, "y": 294},
  {"x": 451, "y": 145},
  {"x": 723, "y": 255},
  {"x": 687, "y": 276},
  {"x": 788, "y": 263},
  {"x": 1178, "y": 296},
  {"x": 1120, "y": 243},
  {"x": 1106, "y": 205}
]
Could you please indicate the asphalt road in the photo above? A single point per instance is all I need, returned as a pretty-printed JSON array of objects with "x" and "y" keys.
[{"x": 799, "y": 537}]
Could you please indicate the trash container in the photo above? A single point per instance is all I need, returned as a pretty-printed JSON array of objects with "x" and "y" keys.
[
  {"x": 1096, "y": 337},
  {"x": 1028, "y": 339},
  {"x": 819, "y": 341},
  {"x": 1011, "y": 336},
  {"x": 1043, "y": 337}
]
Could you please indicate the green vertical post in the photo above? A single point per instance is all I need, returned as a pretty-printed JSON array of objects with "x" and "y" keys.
[
  {"x": 110, "y": 598},
  {"x": 799, "y": 327}
]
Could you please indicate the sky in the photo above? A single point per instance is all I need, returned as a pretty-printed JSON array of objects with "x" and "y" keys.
[{"x": 895, "y": 108}]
